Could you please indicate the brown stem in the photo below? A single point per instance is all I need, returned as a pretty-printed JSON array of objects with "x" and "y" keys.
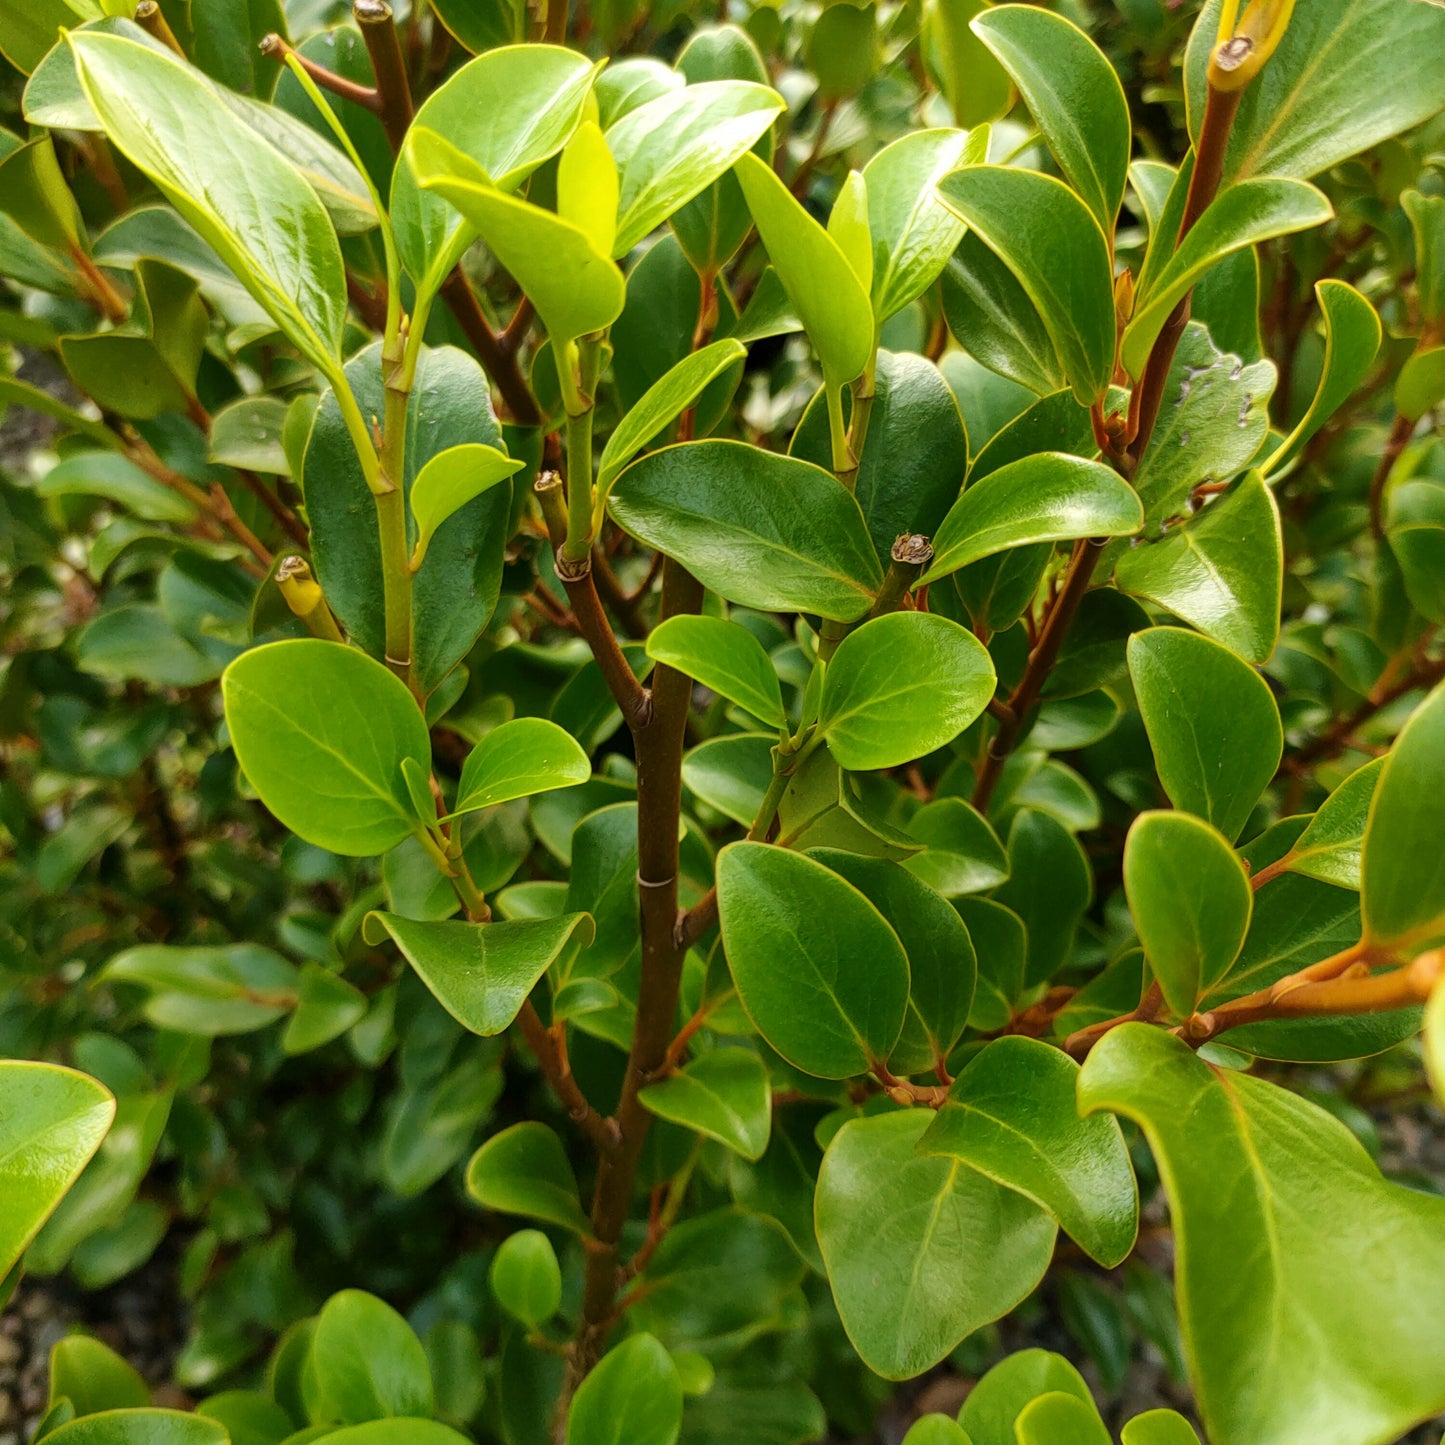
[
  {"x": 622, "y": 604},
  {"x": 1395, "y": 443},
  {"x": 550, "y": 1047},
  {"x": 388, "y": 65},
  {"x": 500, "y": 365},
  {"x": 106, "y": 299},
  {"x": 285, "y": 518},
  {"x": 275, "y": 48},
  {"x": 151, "y": 19}
]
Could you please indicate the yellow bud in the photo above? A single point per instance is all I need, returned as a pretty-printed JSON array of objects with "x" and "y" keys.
[{"x": 1246, "y": 42}]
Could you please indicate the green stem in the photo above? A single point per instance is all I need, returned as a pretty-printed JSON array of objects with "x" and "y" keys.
[{"x": 579, "y": 486}]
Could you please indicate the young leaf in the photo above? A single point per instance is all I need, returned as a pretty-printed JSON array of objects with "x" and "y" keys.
[
  {"x": 901, "y": 686},
  {"x": 1276, "y": 1351},
  {"x": 1074, "y": 96},
  {"x": 995, "y": 1403},
  {"x": 1191, "y": 903},
  {"x": 1212, "y": 723},
  {"x": 1011, "y": 1116},
  {"x": 93, "y": 1377},
  {"x": 526, "y": 1278},
  {"x": 1159, "y": 1427},
  {"x": 1402, "y": 893},
  {"x": 975, "y": 84},
  {"x": 143, "y": 1427},
  {"x": 1435, "y": 1040},
  {"x": 1046, "y": 497},
  {"x": 519, "y": 758},
  {"x": 587, "y": 186},
  {"x": 936, "y": 1430},
  {"x": 51, "y": 1121},
  {"x": 1052, "y": 243},
  {"x": 819, "y": 971},
  {"x": 321, "y": 731},
  {"x": 1330, "y": 847},
  {"x": 1243, "y": 215},
  {"x": 448, "y": 482},
  {"x": 633, "y": 1397},
  {"x": 1060, "y": 1419},
  {"x": 760, "y": 529},
  {"x": 723, "y": 1094},
  {"x": 246, "y": 201},
  {"x": 1222, "y": 571},
  {"x": 920, "y": 1251},
  {"x": 1420, "y": 385},
  {"x": 482, "y": 973},
  {"x": 369, "y": 1363},
  {"x": 724, "y": 657},
  {"x": 524, "y": 1170}
]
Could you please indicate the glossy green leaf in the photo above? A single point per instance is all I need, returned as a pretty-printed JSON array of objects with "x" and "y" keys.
[
  {"x": 828, "y": 995},
  {"x": 1046, "y": 497},
  {"x": 1402, "y": 871},
  {"x": 723, "y": 1094},
  {"x": 1242, "y": 215},
  {"x": 832, "y": 302},
  {"x": 1159, "y": 1427},
  {"x": 587, "y": 186},
  {"x": 632, "y": 1397},
  {"x": 526, "y": 1278},
  {"x": 1276, "y": 1351},
  {"x": 1191, "y": 903},
  {"x": 725, "y": 658},
  {"x": 449, "y": 481},
  {"x": 1222, "y": 571},
  {"x": 518, "y": 759},
  {"x": 962, "y": 853},
  {"x": 679, "y": 143},
  {"x": 1060, "y": 1419},
  {"x": 1050, "y": 241},
  {"x": 1074, "y": 96},
  {"x": 51, "y": 1121},
  {"x": 93, "y": 1377},
  {"x": 524, "y": 1170},
  {"x": 208, "y": 989},
  {"x": 848, "y": 226},
  {"x": 368, "y": 1363},
  {"x": 995, "y": 1403},
  {"x": 1212, "y": 723},
  {"x": 760, "y": 529},
  {"x": 900, "y": 686},
  {"x": 920, "y": 1251},
  {"x": 140, "y": 1427},
  {"x": 322, "y": 731},
  {"x": 1011, "y": 1116},
  {"x": 1331, "y": 847},
  {"x": 1352, "y": 341},
  {"x": 248, "y": 203}
]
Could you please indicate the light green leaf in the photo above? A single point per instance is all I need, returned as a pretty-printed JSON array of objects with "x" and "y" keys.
[
  {"x": 1402, "y": 893},
  {"x": 587, "y": 186},
  {"x": 995, "y": 1403},
  {"x": 723, "y": 1094},
  {"x": 936, "y": 1430},
  {"x": 326, "y": 1006},
  {"x": 1046, "y": 497},
  {"x": 368, "y": 1363},
  {"x": 1159, "y": 1427},
  {"x": 817, "y": 968},
  {"x": 633, "y": 1397},
  {"x": 920, "y": 1251},
  {"x": 1074, "y": 96},
  {"x": 140, "y": 1427},
  {"x": 1049, "y": 239},
  {"x": 1420, "y": 385},
  {"x": 210, "y": 990},
  {"x": 1427, "y": 221},
  {"x": 725, "y": 658},
  {"x": 29, "y": 28},
  {"x": 1222, "y": 571},
  {"x": 524, "y": 1170},
  {"x": 519, "y": 758},
  {"x": 526, "y": 1278},
  {"x": 449, "y": 481},
  {"x": 1243, "y": 215},
  {"x": 119, "y": 480},
  {"x": 1212, "y": 723},
  {"x": 899, "y": 687},
  {"x": 244, "y": 199},
  {"x": 848, "y": 226},
  {"x": 1331, "y": 846},
  {"x": 1011, "y": 1116},
  {"x": 1435, "y": 1040},
  {"x": 1060, "y": 1419},
  {"x": 51, "y": 1121},
  {"x": 93, "y": 1377},
  {"x": 975, "y": 85},
  {"x": 321, "y": 731},
  {"x": 1191, "y": 903},
  {"x": 1276, "y": 1351},
  {"x": 249, "y": 433},
  {"x": 760, "y": 529},
  {"x": 384, "y": 1432}
]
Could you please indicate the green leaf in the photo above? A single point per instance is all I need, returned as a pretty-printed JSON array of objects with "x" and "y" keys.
[
  {"x": 1352, "y": 341},
  {"x": 1074, "y": 96},
  {"x": 913, "y": 232},
  {"x": 725, "y": 658},
  {"x": 518, "y": 759},
  {"x": 936, "y": 1430},
  {"x": 1047, "y": 497},
  {"x": 921, "y": 1251},
  {"x": 524, "y": 1170},
  {"x": 208, "y": 989},
  {"x": 526, "y": 1278},
  {"x": 1276, "y": 1351},
  {"x": 140, "y": 1427},
  {"x": 321, "y": 731},
  {"x": 1415, "y": 530},
  {"x": 94, "y": 1378},
  {"x": 995, "y": 1403},
  {"x": 832, "y": 303},
  {"x": 29, "y": 28},
  {"x": 1427, "y": 221},
  {"x": 1243, "y": 215},
  {"x": 1050, "y": 885},
  {"x": 677, "y": 144},
  {"x": 1402, "y": 893},
  {"x": 899, "y": 687},
  {"x": 1159, "y": 1427},
  {"x": 482, "y": 973},
  {"x": 1048, "y": 238},
  {"x": 1011, "y": 1116},
  {"x": 1331, "y": 846},
  {"x": 587, "y": 186},
  {"x": 762, "y": 530},
  {"x": 1435, "y": 1040},
  {"x": 1347, "y": 74},
  {"x": 37, "y": 198},
  {"x": 975, "y": 84},
  {"x": 326, "y": 1006},
  {"x": 962, "y": 853},
  {"x": 247, "y": 202},
  {"x": 661, "y": 404},
  {"x": 632, "y": 1397},
  {"x": 118, "y": 480},
  {"x": 449, "y": 481},
  {"x": 1212, "y": 723},
  {"x": 1191, "y": 903},
  {"x": 817, "y": 968},
  {"x": 1222, "y": 571},
  {"x": 1060, "y": 1419},
  {"x": 723, "y": 1094},
  {"x": 824, "y": 807},
  {"x": 51, "y": 1121},
  {"x": 1420, "y": 386},
  {"x": 250, "y": 433},
  {"x": 368, "y": 1363},
  {"x": 376, "y": 1432}
]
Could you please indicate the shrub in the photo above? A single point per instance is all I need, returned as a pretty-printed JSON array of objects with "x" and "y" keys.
[{"x": 671, "y": 709}]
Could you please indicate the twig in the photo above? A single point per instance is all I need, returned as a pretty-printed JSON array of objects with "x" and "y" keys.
[{"x": 550, "y": 1047}]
